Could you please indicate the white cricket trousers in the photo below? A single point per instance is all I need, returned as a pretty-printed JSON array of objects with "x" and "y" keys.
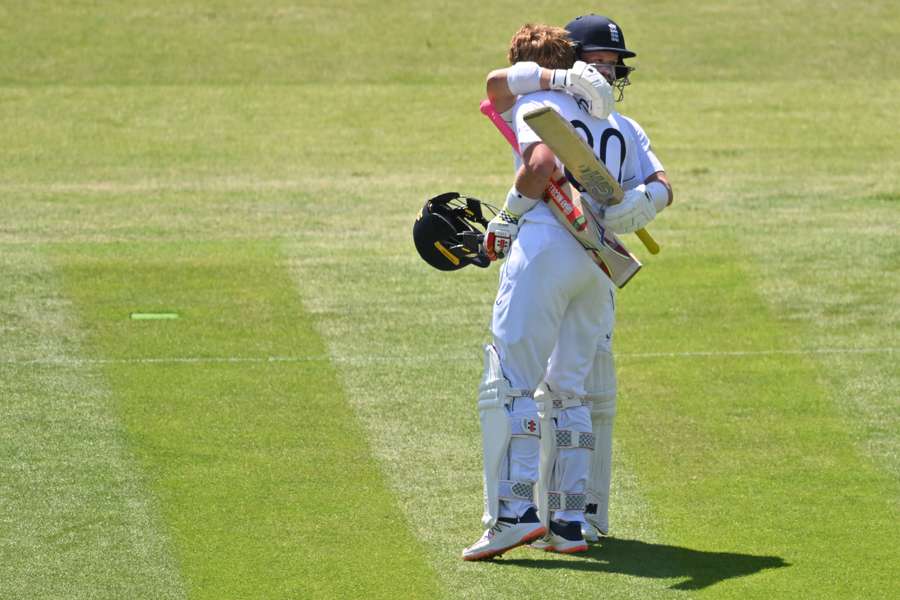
[{"x": 552, "y": 310}]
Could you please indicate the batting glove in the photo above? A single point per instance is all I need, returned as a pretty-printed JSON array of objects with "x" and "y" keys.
[
  {"x": 501, "y": 232},
  {"x": 634, "y": 211},
  {"x": 588, "y": 85}
]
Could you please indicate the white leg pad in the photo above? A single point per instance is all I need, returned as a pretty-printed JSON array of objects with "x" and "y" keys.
[
  {"x": 522, "y": 457},
  {"x": 543, "y": 399},
  {"x": 549, "y": 497},
  {"x": 575, "y": 442},
  {"x": 497, "y": 429},
  {"x": 602, "y": 393}
]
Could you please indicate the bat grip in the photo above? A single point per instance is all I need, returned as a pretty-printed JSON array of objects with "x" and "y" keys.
[{"x": 648, "y": 241}]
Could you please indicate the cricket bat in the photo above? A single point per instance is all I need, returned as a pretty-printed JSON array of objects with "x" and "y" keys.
[
  {"x": 605, "y": 250},
  {"x": 570, "y": 148}
]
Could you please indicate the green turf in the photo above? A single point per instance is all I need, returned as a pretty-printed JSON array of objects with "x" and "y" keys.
[
  {"x": 257, "y": 169},
  {"x": 75, "y": 512},
  {"x": 263, "y": 471}
]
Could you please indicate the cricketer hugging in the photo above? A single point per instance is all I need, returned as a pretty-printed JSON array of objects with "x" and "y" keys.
[{"x": 583, "y": 173}]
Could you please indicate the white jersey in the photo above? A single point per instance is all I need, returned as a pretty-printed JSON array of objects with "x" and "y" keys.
[
  {"x": 553, "y": 318},
  {"x": 618, "y": 141}
]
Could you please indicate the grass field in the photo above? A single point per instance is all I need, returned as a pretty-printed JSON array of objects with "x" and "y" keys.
[{"x": 307, "y": 427}]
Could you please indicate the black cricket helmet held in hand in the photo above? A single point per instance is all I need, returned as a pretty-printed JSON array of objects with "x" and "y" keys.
[{"x": 449, "y": 230}]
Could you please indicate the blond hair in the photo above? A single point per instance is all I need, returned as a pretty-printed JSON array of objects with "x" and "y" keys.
[{"x": 550, "y": 47}]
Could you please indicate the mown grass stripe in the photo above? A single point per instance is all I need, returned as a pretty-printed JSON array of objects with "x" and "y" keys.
[
  {"x": 749, "y": 454},
  {"x": 77, "y": 520},
  {"x": 263, "y": 472}
]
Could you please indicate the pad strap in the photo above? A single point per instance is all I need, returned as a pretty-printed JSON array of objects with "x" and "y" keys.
[
  {"x": 495, "y": 394},
  {"x": 566, "y": 501},
  {"x": 558, "y": 400},
  {"x": 566, "y": 438},
  {"x": 561, "y": 401},
  {"x": 600, "y": 398},
  {"x": 516, "y": 490}
]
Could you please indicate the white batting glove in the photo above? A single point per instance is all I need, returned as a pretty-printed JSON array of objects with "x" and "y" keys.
[
  {"x": 634, "y": 211},
  {"x": 587, "y": 84},
  {"x": 499, "y": 235},
  {"x": 502, "y": 230}
]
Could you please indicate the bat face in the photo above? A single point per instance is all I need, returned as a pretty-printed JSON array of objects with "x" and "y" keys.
[
  {"x": 594, "y": 184},
  {"x": 604, "y": 248},
  {"x": 567, "y": 145},
  {"x": 559, "y": 135}
]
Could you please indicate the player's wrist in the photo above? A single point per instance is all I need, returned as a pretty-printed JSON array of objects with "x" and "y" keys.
[
  {"x": 658, "y": 194},
  {"x": 517, "y": 203},
  {"x": 558, "y": 79},
  {"x": 523, "y": 78}
]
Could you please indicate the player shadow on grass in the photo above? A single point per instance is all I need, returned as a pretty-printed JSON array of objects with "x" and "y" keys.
[{"x": 658, "y": 561}]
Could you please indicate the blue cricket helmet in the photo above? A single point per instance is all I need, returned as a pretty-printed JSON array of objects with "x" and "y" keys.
[{"x": 596, "y": 32}]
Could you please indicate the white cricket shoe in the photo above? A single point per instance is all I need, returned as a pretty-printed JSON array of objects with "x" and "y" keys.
[
  {"x": 591, "y": 533},
  {"x": 505, "y": 535},
  {"x": 594, "y": 529},
  {"x": 564, "y": 538}
]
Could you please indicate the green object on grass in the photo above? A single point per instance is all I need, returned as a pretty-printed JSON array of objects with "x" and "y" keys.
[{"x": 154, "y": 316}]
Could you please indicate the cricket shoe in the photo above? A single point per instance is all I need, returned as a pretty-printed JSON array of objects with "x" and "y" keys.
[
  {"x": 507, "y": 534},
  {"x": 591, "y": 533},
  {"x": 593, "y": 529},
  {"x": 564, "y": 538}
]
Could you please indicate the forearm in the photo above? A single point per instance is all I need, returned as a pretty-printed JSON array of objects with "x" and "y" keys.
[
  {"x": 525, "y": 194},
  {"x": 582, "y": 81},
  {"x": 538, "y": 165}
]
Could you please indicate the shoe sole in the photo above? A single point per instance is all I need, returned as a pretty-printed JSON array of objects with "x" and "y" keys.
[
  {"x": 537, "y": 533},
  {"x": 569, "y": 550},
  {"x": 583, "y": 547}
]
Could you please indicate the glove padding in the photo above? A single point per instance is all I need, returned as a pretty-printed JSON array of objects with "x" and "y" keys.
[
  {"x": 634, "y": 211},
  {"x": 588, "y": 85},
  {"x": 499, "y": 235}
]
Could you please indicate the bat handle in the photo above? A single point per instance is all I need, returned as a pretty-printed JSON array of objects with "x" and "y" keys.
[{"x": 648, "y": 241}]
